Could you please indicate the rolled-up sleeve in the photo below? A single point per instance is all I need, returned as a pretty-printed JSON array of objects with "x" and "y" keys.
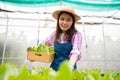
[{"x": 76, "y": 42}]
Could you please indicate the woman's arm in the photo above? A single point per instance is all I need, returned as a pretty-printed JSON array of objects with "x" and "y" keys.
[{"x": 75, "y": 54}]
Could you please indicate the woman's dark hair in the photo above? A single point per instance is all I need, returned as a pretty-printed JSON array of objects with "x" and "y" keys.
[{"x": 70, "y": 32}]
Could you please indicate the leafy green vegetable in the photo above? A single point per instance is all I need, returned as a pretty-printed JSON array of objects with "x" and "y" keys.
[
  {"x": 9, "y": 71},
  {"x": 6, "y": 70},
  {"x": 78, "y": 74},
  {"x": 89, "y": 77},
  {"x": 64, "y": 73},
  {"x": 43, "y": 48}
]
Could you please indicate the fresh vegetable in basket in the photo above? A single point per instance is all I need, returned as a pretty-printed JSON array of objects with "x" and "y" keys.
[{"x": 42, "y": 48}]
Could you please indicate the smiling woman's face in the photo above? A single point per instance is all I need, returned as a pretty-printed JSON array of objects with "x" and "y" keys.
[{"x": 65, "y": 22}]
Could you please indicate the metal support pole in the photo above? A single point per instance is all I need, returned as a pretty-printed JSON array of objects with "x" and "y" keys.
[
  {"x": 105, "y": 58},
  {"x": 5, "y": 41},
  {"x": 86, "y": 44}
]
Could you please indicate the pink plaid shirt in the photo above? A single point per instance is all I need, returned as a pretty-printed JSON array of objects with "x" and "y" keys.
[{"x": 76, "y": 42}]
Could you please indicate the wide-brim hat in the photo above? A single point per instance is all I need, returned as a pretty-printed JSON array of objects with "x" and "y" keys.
[{"x": 66, "y": 9}]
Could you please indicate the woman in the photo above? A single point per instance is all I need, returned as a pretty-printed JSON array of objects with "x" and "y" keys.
[{"x": 66, "y": 39}]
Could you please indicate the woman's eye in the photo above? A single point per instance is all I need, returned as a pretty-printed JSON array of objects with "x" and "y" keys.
[
  {"x": 61, "y": 18},
  {"x": 69, "y": 20}
]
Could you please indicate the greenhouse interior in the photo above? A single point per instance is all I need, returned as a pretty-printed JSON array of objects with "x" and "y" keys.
[{"x": 25, "y": 23}]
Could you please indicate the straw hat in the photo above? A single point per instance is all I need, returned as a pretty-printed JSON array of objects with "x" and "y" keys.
[{"x": 66, "y": 9}]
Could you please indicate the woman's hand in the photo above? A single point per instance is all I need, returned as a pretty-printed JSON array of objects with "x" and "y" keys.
[
  {"x": 71, "y": 66},
  {"x": 72, "y": 61}
]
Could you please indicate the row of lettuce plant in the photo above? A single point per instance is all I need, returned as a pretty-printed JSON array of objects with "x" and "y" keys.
[{"x": 8, "y": 71}]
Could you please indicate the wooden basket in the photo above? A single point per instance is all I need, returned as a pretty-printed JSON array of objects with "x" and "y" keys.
[{"x": 42, "y": 57}]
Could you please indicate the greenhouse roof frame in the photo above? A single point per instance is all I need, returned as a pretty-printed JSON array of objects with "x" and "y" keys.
[
  {"x": 105, "y": 10},
  {"x": 89, "y": 5}
]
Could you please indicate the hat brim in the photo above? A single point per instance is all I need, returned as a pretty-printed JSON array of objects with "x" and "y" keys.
[{"x": 56, "y": 13}]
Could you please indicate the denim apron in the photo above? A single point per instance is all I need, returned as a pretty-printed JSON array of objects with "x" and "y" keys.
[{"x": 62, "y": 51}]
